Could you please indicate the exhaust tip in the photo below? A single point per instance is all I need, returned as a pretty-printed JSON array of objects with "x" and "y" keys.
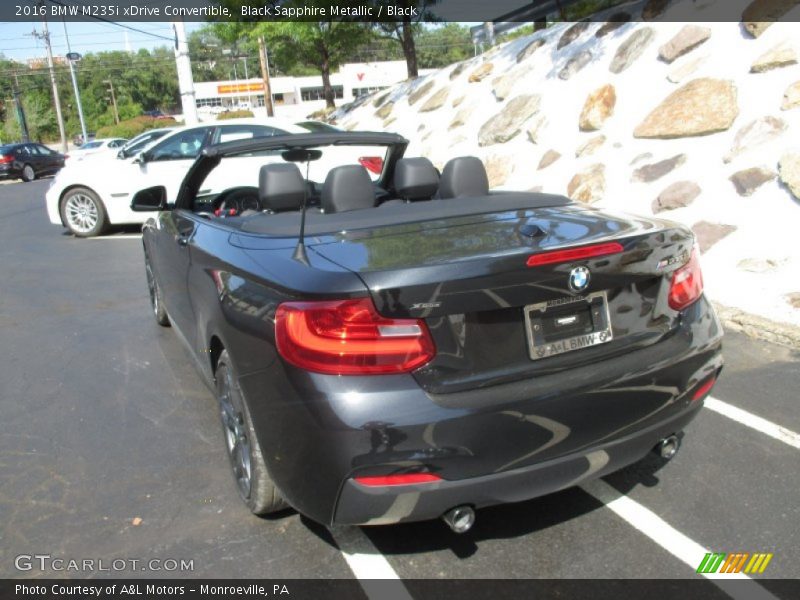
[
  {"x": 668, "y": 447},
  {"x": 460, "y": 519}
]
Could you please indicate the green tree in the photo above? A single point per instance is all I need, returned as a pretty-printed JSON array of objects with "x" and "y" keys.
[
  {"x": 439, "y": 46},
  {"x": 403, "y": 31}
]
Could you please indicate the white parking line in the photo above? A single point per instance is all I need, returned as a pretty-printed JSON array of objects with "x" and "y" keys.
[
  {"x": 736, "y": 585},
  {"x": 368, "y": 564},
  {"x": 754, "y": 422}
]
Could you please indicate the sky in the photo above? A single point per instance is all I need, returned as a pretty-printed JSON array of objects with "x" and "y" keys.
[{"x": 16, "y": 41}]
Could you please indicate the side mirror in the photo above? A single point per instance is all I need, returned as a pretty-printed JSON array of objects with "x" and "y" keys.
[
  {"x": 141, "y": 158},
  {"x": 150, "y": 199}
]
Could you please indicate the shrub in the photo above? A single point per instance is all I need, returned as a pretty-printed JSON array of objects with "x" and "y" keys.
[
  {"x": 133, "y": 127},
  {"x": 235, "y": 114}
]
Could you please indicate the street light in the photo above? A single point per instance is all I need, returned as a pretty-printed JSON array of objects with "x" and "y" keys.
[{"x": 72, "y": 58}]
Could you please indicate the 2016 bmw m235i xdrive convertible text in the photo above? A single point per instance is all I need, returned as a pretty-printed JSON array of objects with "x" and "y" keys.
[{"x": 420, "y": 346}]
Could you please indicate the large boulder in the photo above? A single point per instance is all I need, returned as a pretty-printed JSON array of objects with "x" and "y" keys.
[
  {"x": 504, "y": 85},
  {"x": 685, "y": 68},
  {"x": 481, "y": 72},
  {"x": 572, "y": 34},
  {"x": 437, "y": 100},
  {"x": 652, "y": 171},
  {"x": 509, "y": 121},
  {"x": 385, "y": 110},
  {"x": 677, "y": 195},
  {"x": 575, "y": 64},
  {"x": 760, "y": 14},
  {"x": 686, "y": 40},
  {"x": 459, "y": 68},
  {"x": 548, "y": 158},
  {"x": 755, "y": 133},
  {"x": 536, "y": 127},
  {"x": 419, "y": 92},
  {"x": 598, "y": 107},
  {"x": 782, "y": 55},
  {"x": 530, "y": 48},
  {"x": 590, "y": 146},
  {"x": 700, "y": 107},
  {"x": 749, "y": 180},
  {"x": 708, "y": 234},
  {"x": 462, "y": 116},
  {"x": 631, "y": 49},
  {"x": 498, "y": 168},
  {"x": 791, "y": 97},
  {"x": 789, "y": 169},
  {"x": 588, "y": 185}
]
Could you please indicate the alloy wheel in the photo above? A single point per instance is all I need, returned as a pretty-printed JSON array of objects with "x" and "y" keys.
[
  {"x": 236, "y": 438},
  {"x": 81, "y": 213}
]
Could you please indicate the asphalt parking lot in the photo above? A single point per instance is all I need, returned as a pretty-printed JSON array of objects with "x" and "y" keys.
[{"x": 105, "y": 423}]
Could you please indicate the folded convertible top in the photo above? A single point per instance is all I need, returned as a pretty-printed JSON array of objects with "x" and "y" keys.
[{"x": 288, "y": 224}]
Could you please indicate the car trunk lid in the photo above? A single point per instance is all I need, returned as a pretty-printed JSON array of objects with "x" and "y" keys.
[{"x": 496, "y": 319}]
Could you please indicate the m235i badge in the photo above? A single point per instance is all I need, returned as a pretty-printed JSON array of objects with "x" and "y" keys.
[
  {"x": 678, "y": 259},
  {"x": 425, "y": 305}
]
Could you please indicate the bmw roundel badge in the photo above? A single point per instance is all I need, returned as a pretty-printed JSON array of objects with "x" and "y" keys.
[{"x": 579, "y": 279}]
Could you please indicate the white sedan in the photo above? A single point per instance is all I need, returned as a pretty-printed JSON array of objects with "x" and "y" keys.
[
  {"x": 96, "y": 147},
  {"x": 88, "y": 196}
]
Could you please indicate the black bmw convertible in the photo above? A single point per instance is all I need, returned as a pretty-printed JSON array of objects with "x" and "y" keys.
[{"x": 417, "y": 345}]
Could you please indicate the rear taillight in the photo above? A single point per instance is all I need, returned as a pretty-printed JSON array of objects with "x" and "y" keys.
[
  {"x": 399, "y": 479},
  {"x": 373, "y": 164},
  {"x": 349, "y": 337},
  {"x": 687, "y": 284},
  {"x": 573, "y": 254},
  {"x": 5, "y": 159}
]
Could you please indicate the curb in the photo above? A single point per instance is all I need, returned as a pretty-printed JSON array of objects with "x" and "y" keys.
[{"x": 757, "y": 327}]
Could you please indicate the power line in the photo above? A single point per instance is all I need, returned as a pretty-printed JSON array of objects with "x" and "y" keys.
[{"x": 104, "y": 20}]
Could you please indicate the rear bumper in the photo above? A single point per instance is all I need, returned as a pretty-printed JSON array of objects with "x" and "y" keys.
[
  {"x": 362, "y": 505},
  {"x": 505, "y": 443}
]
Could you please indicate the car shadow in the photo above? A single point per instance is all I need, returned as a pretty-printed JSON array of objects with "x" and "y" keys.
[{"x": 506, "y": 521}]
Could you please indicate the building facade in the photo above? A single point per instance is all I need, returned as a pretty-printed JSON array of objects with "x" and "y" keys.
[{"x": 298, "y": 94}]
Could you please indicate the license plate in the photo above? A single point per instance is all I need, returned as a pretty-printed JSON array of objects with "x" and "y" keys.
[{"x": 566, "y": 324}]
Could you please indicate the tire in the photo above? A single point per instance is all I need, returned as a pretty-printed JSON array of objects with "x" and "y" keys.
[
  {"x": 83, "y": 212},
  {"x": 253, "y": 482},
  {"x": 28, "y": 174},
  {"x": 156, "y": 300}
]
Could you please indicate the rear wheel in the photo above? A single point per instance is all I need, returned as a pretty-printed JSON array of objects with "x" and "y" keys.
[
  {"x": 83, "y": 212},
  {"x": 249, "y": 469},
  {"x": 28, "y": 174},
  {"x": 159, "y": 310}
]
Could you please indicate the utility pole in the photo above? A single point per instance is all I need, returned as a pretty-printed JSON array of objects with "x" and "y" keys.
[
  {"x": 185, "y": 81},
  {"x": 262, "y": 54},
  {"x": 70, "y": 60},
  {"x": 113, "y": 101},
  {"x": 23, "y": 123},
  {"x": 45, "y": 35}
]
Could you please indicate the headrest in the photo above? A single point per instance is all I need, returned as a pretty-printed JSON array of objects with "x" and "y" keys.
[
  {"x": 347, "y": 188},
  {"x": 415, "y": 179},
  {"x": 463, "y": 177},
  {"x": 281, "y": 187}
]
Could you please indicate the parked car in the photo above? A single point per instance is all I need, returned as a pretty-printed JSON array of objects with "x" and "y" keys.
[
  {"x": 142, "y": 141},
  {"x": 28, "y": 161},
  {"x": 420, "y": 346},
  {"x": 87, "y": 197},
  {"x": 97, "y": 146}
]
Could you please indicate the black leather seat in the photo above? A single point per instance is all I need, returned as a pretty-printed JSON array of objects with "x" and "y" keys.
[
  {"x": 415, "y": 179},
  {"x": 281, "y": 187},
  {"x": 463, "y": 177},
  {"x": 347, "y": 188}
]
